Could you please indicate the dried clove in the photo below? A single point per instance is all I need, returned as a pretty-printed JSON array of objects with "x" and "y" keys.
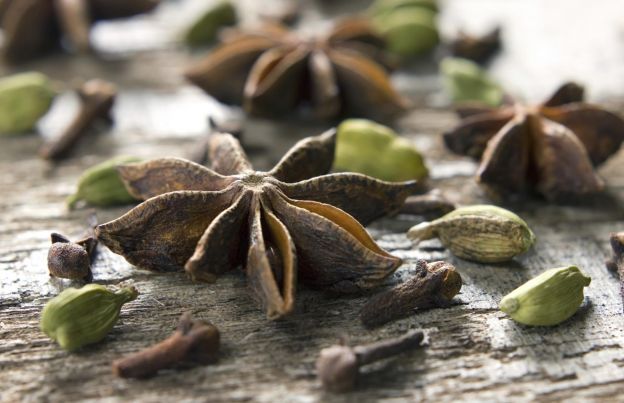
[
  {"x": 616, "y": 263},
  {"x": 193, "y": 340},
  {"x": 476, "y": 48},
  {"x": 97, "y": 98},
  {"x": 431, "y": 205},
  {"x": 72, "y": 260},
  {"x": 433, "y": 285},
  {"x": 338, "y": 366}
]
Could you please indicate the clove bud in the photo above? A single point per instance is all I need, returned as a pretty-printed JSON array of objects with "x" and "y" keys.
[
  {"x": 193, "y": 340},
  {"x": 616, "y": 264},
  {"x": 433, "y": 285},
  {"x": 338, "y": 366},
  {"x": 71, "y": 260}
]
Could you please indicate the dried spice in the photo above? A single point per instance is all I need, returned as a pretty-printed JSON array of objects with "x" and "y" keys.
[
  {"x": 282, "y": 224},
  {"x": 97, "y": 98},
  {"x": 24, "y": 99},
  {"x": 71, "y": 260},
  {"x": 481, "y": 233},
  {"x": 551, "y": 148},
  {"x": 547, "y": 299},
  {"x": 479, "y": 49},
  {"x": 372, "y": 149},
  {"x": 433, "y": 285},
  {"x": 338, "y": 366},
  {"x": 430, "y": 205},
  {"x": 77, "y": 317},
  {"x": 194, "y": 340},
  {"x": 465, "y": 81},
  {"x": 272, "y": 71},
  {"x": 101, "y": 185},
  {"x": 34, "y": 27},
  {"x": 200, "y": 150},
  {"x": 205, "y": 29},
  {"x": 616, "y": 264}
]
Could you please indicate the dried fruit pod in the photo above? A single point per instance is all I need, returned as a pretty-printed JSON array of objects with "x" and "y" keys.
[
  {"x": 369, "y": 148},
  {"x": 77, "y": 317},
  {"x": 467, "y": 82},
  {"x": 547, "y": 299},
  {"x": 481, "y": 233},
  {"x": 101, "y": 185},
  {"x": 205, "y": 29},
  {"x": 24, "y": 99}
]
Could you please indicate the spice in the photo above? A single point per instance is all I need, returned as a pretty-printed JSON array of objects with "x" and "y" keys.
[
  {"x": 465, "y": 81},
  {"x": 433, "y": 285},
  {"x": 409, "y": 27},
  {"x": 200, "y": 150},
  {"x": 482, "y": 233},
  {"x": 338, "y": 366},
  {"x": 616, "y": 264},
  {"x": 211, "y": 220},
  {"x": 547, "y": 299},
  {"x": 372, "y": 149},
  {"x": 272, "y": 71},
  {"x": 101, "y": 185},
  {"x": 479, "y": 49},
  {"x": 97, "y": 98},
  {"x": 34, "y": 27},
  {"x": 24, "y": 99},
  {"x": 78, "y": 317},
  {"x": 430, "y": 205},
  {"x": 204, "y": 30},
  {"x": 193, "y": 340},
  {"x": 71, "y": 260},
  {"x": 551, "y": 148}
]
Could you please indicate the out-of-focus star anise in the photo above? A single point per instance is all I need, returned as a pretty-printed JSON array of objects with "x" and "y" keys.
[
  {"x": 272, "y": 71},
  {"x": 293, "y": 221},
  {"x": 33, "y": 27},
  {"x": 477, "y": 48},
  {"x": 550, "y": 148}
]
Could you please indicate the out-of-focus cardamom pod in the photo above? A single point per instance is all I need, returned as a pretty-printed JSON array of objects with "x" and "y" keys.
[
  {"x": 481, "y": 233},
  {"x": 24, "y": 99},
  {"x": 409, "y": 31},
  {"x": 547, "y": 299},
  {"x": 381, "y": 7},
  {"x": 204, "y": 30},
  {"x": 101, "y": 185},
  {"x": 372, "y": 149},
  {"x": 465, "y": 81},
  {"x": 77, "y": 317}
]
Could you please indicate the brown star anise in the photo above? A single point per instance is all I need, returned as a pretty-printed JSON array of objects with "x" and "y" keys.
[
  {"x": 279, "y": 224},
  {"x": 33, "y": 27},
  {"x": 272, "y": 71},
  {"x": 551, "y": 148}
]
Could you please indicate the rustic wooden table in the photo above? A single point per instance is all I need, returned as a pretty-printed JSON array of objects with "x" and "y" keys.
[{"x": 473, "y": 352}]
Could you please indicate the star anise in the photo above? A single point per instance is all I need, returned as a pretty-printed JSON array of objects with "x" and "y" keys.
[
  {"x": 33, "y": 27},
  {"x": 279, "y": 224},
  {"x": 272, "y": 71},
  {"x": 551, "y": 148}
]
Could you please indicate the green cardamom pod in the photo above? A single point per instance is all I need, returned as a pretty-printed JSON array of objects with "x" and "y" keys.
[
  {"x": 101, "y": 185},
  {"x": 24, "y": 99},
  {"x": 467, "y": 82},
  {"x": 77, "y": 317},
  {"x": 409, "y": 31},
  {"x": 381, "y": 7},
  {"x": 204, "y": 30},
  {"x": 372, "y": 149},
  {"x": 481, "y": 233},
  {"x": 547, "y": 299}
]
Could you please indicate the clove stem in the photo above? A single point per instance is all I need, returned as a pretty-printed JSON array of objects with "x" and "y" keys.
[{"x": 616, "y": 264}]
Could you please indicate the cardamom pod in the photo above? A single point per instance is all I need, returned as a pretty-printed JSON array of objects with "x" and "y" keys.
[
  {"x": 381, "y": 7},
  {"x": 409, "y": 31},
  {"x": 481, "y": 233},
  {"x": 547, "y": 299},
  {"x": 372, "y": 149},
  {"x": 101, "y": 185},
  {"x": 204, "y": 30},
  {"x": 466, "y": 82},
  {"x": 24, "y": 99},
  {"x": 77, "y": 317}
]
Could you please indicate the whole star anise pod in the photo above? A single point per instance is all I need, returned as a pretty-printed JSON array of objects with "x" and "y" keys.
[
  {"x": 279, "y": 224},
  {"x": 551, "y": 148},
  {"x": 33, "y": 27},
  {"x": 272, "y": 71}
]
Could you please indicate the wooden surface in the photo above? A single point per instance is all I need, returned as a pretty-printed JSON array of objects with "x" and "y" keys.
[{"x": 473, "y": 352}]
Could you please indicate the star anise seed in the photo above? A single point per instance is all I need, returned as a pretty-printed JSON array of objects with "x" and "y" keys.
[
  {"x": 272, "y": 71},
  {"x": 551, "y": 148},
  {"x": 33, "y": 27},
  {"x": 293, "y": 221}
]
